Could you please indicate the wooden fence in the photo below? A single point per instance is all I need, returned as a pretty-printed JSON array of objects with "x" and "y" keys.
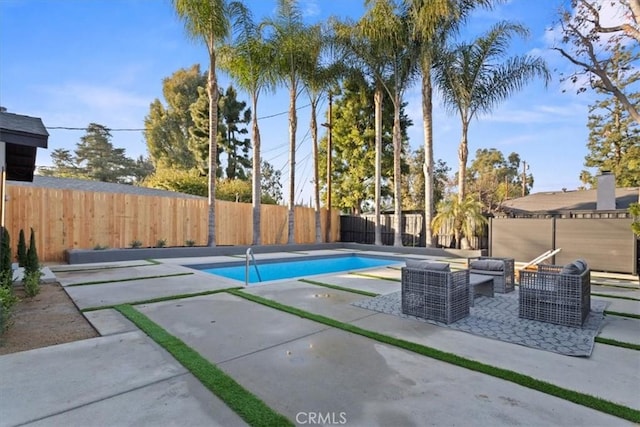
[{"x": 72, "y": 219}]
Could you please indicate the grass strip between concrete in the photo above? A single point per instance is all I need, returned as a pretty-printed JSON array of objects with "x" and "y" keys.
[
  {"x": 374, "y": 276},
  {"x": 617, "y": 313},
  {"x": 161, "y": 299},
  {"x": 617, "y": 343},
  {"x": 128, "y": 279},
  {"x": 338, "y": 288},
  {"x": 577, "y": 397},
  {"x": 593, "y": 294},
  {"x": 249, "y": 407}
]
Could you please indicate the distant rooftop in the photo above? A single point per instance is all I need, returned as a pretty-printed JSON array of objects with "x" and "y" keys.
[
  {"x": 97, "y": 186},
  {"x": 554, "y": 201}
]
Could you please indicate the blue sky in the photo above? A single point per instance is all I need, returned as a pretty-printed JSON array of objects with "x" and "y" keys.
[{"x": 73, "y": 62}]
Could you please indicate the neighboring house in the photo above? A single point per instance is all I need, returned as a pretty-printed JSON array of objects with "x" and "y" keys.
[
  {"x": 20, "y": 138},
  {"x": 98, "y": 186},
  {"x": 562, "y": 202}
]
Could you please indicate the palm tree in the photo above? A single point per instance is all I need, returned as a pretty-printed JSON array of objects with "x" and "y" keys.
[
  {"x": 386, "y": 25},
  {"x": 366, "y": 54},
  {"x": 318, "y": 78},
  {"x": 431, "y": 21},
  {"x": 249, "y": 62},
  {"x": 208, "y": 21},
  {"x": 465, "y": 216},
  {"x": 472, "y": 80},
  {"x": 288, "y": 34}
]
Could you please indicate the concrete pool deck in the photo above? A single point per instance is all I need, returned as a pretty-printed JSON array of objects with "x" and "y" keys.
[{"x": 296, "y": 366}]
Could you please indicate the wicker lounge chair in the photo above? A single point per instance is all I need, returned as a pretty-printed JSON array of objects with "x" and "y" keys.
[
  {"x": 500, "y": 269},
  {"x": 432, "y": 291},
  {"x": 556, "y": 294}
]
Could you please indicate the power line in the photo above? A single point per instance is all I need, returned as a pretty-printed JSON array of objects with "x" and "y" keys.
[
  {"x": 84, "y": 128},
  {"x": 142, "y": 130}
]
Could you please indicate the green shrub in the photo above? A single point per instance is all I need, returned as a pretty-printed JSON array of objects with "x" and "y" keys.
[
  {"x": 6, "y": 271},
  {"x": 7, "y": 301},
  {"x": 32, "y": 272},
  {"x": 22, "y": 250},
  {"x": 136, "y": 244},
  {"x": 190, "y": 243},
  {"x": 31, "y": 283},
  {"x": 634, "y": 209},
  {"x": 161, "y": 243},
  {"x": 99, "y": 247}
]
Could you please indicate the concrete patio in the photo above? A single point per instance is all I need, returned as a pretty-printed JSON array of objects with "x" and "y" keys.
[{"x": 297, "y": 366}]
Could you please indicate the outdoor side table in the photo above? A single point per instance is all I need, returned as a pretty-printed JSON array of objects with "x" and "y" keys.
[{"x": 479, "y": 284}]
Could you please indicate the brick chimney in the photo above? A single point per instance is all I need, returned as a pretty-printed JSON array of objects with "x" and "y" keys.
[{"x": 606, "y": 191}]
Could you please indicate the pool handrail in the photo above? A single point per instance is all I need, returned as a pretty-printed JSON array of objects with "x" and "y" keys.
[{"x": 246, "y": 271}]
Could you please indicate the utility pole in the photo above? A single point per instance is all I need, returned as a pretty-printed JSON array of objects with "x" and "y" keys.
[
  {"x": 524, "y": 178},
  {"x": 329, "y": 126}
]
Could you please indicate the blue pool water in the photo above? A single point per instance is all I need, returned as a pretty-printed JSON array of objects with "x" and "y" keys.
[{"x": 286, "y": 269}]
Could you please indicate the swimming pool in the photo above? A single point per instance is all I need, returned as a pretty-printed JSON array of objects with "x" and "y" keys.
[{"x": 290, "y": 268}]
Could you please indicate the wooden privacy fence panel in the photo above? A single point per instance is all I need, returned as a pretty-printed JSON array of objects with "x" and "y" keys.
[{"x": 72, "y": 219}]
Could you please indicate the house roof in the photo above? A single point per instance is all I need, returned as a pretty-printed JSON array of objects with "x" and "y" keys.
[
  {"x": 22, "y": 136},
  {"x": 568, "y": 200},
  {"x": 98, "y": 186}
]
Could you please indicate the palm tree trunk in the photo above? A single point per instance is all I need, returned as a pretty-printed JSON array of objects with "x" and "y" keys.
[
  {"x": 377, "y": 102},
  {"x": 463, "y": 154},
  {"x": 316, "y": 187},
  {"x": 256, "y": 176},
  {"x": 397, "y": 177},
  {"x": 213, "y": 146},
  {"x": 427, "y": 123},
  {"x": 293, "y": 125}
]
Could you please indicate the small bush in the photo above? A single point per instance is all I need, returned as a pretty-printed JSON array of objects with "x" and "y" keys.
[
  {"x": 32, "y": 272},
  {"x": 7, "y": 301},
  {"x": 136, "y": 244},
  {"x": 99, "y": 247},
  {"x": 6, "y": 271},
  {"x": 190, "y": 243},
  {"x": 22, "y": 250},
  {"x": 161, "y": 243},
  {"x": 31, "y": 283}
]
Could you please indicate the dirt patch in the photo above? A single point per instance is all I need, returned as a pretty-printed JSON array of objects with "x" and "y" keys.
[{"x": 47, "y": 319}]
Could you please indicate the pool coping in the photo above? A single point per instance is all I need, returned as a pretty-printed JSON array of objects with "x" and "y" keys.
[{"x": 85, "y": 256}]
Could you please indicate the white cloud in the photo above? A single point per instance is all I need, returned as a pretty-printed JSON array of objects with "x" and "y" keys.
[{"x": 309, "y": 8}]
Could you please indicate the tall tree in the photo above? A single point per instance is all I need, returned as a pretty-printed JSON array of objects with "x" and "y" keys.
[
  {"x": 492, "y": 179},
  {"x": 614, "y": 136},
  {"x": 249, "y": 61},
  {"x": 318, "y": 77},
  {"x": 271, "y": 185},
  {"x": 430, "y": 23},
  {"x": 590, "y": 43},
  {"x": 288, "y": 35},
  {"x": 353, "y": 140},
  {"x": 233, "y": 117},
  {"x": 95, "y": 158},
  {"x": 99, "y": 159},
  {"x": 472, "y": 80},
  {"x": 386, "y": 25},
  {"x": 167, "y": 129},
  {"x": 413, "y": 197},
  {"x": 208, "y": 21},
  {"x": 366, "y": 55}
]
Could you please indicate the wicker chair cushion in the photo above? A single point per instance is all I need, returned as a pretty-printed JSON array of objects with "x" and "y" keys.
[
  {"x": 428, "y": 265},
  {"x": 575, "y": 268},
  {"x": 487, "y": 264}
]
